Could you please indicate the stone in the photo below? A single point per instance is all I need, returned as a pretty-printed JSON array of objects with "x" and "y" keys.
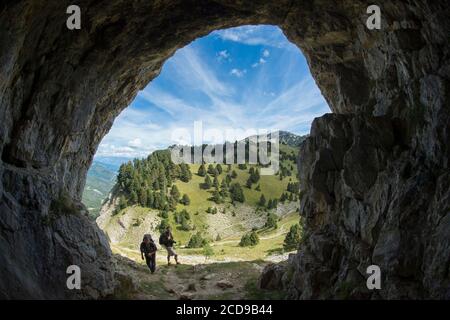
[
  {"x": 186, "y": 296},
  {"x": 271, "y": 277},
  {"x": 208, "y": 276},
  {"x": 191, "y": 287},
  {"x": 224, "y": 284}
]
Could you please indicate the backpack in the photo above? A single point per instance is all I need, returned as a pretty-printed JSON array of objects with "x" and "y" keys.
[{"x": 163, "y": 239}]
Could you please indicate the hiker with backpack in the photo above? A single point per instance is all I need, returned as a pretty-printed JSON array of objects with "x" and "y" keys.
[
  {"x": 166, "y": 240},
  {"x": 148, "y": 248}
]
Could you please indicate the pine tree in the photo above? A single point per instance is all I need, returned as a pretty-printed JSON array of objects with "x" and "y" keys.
[
  {"x": 215, "y": 182},
  {"x": 242, "y": 166},
  {"x": 196, "y": 241},
  {"x": 224, "y": 189},
  {"x": 293, "y": 238},
  {"x": 262, "y": 201},
  {"x": 249, "y": 239},
  {"x": 272, "y": 221},
  {"x": 219, "y": 168},
  {"x": 142, "y": 197},
  {"x": 236, "y": 193},
  {"x": 207, "y": 184},
  {"x": 201, "y": 170},
  {"x": 185, "y": 200},
  {"x": 150, "y": 198},
  {"x": 175, "y": 193},
  {"x": 134, "y": 197},
  {"x": 185, "y": 173},
  {"x": 216, "y": 197},
  {"x": 211, "y": 169}
]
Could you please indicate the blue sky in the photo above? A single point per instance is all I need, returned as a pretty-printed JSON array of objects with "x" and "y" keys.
[{"x": 240, "y": 78}]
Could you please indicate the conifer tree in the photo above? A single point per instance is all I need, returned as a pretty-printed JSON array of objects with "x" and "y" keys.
[
  {"x": 207, "y": 184},
  {"x": 201, "y": 170}
]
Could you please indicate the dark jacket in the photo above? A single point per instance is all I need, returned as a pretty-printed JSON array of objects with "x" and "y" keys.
[
  {"x": 169, "y": 239},
  {"x": 147, "y": 248}
]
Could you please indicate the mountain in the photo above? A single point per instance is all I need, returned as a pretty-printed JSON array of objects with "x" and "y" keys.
[
  {"x": 100, "y": 179},
  {"x": 291, "y": 139},
  {"x": 112, "y": 163},
  {"x": 210, "y": 203},
  {"x": 285, "y": 137}
]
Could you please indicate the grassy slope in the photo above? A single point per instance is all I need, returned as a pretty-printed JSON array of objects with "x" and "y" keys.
[
  {"x": 271, "y": 186},
  {"x": 271, "y": 242}
]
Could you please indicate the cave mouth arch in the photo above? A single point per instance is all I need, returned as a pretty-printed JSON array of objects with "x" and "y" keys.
[
  {"x": 62, "y": 89},
  {"x": 252, "y": 70}
]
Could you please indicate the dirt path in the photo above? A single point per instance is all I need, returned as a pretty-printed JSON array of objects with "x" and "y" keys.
[
  {"x": 280, "y": 231},
  {"x": 230, "y": 280}
]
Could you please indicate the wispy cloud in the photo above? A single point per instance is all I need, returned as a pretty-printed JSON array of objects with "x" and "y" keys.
[
  {"x": 255, "y": 35},
  {"x": 224, "y": 55},
  {"x": 188, "y": 67},
  {"x": 238, "y": 73},
  {"x": 193, "y": 86}
]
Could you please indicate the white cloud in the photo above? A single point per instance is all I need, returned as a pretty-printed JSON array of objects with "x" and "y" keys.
[
  {"x": 223, "y": 55},
  {"x": 225, "y": 102},
  {"x": 135, "y": 143},
  {"x": 238, "y": 73},
  {"x": 261, "y": 60},
  {"x": 256, "y": 35}
]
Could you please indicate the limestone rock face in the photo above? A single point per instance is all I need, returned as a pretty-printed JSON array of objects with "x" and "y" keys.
[
  {"x": 370, "y": 202},
  {"x": 375, "y": 174}
]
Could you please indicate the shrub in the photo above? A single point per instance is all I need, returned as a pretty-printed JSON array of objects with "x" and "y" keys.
[
  {"x": 197, "y": 241},
  {"x": 208, "y": 251},
  {"x": 185, "y": 200},
  {"x": 249, "y": 239},
  {"x": 272, "y": 221},
  {"x": 293, "y": 237}
]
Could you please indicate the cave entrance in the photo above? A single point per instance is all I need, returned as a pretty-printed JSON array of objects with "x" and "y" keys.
[
  {"x": 247, "y": 79},
  {"x": 62, "y": 90}
]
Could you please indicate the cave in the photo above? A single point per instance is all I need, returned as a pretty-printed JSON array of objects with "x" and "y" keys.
[{"x": 374, "y": 174}]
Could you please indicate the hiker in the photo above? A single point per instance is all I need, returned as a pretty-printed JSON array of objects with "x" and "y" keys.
[
  {"x": 166, "y": 240},
  {"x": 148, "y": 248}
]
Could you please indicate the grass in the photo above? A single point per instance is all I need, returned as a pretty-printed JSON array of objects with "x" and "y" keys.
[{"x": 271, "y": 241}]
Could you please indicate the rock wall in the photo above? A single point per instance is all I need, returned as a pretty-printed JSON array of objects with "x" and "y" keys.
[{"x": 374, "y": 174}]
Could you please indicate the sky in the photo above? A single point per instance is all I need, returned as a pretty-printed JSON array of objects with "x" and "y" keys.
[{"x": 242, "y": 78}]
